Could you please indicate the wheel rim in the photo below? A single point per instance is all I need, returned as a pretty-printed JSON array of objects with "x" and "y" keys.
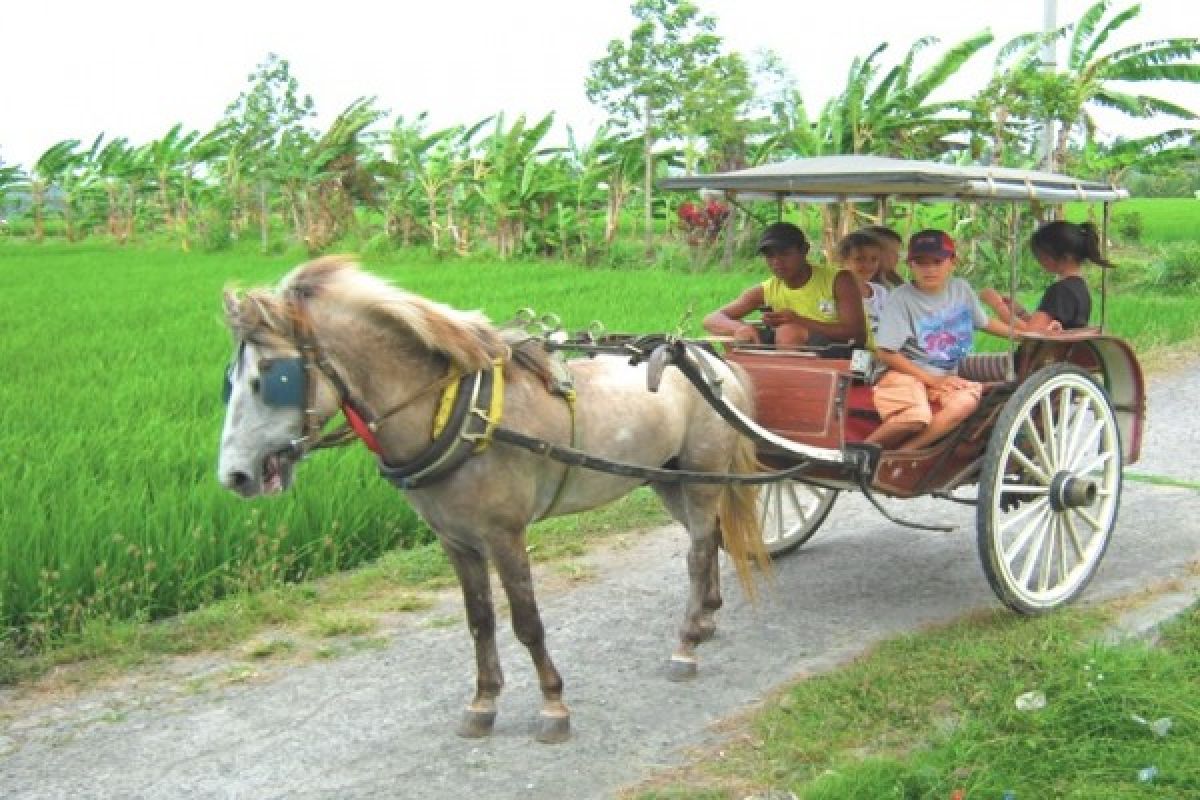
[
  {"x": 1054, "y": 498},
  {"x": 790, "y": 513}
]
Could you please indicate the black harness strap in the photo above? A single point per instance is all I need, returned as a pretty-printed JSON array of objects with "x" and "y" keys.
[
  {"x": 464, "y": 428},
  {"x": 576, "y": 458}
]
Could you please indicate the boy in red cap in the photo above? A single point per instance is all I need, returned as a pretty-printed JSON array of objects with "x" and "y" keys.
[{"x": 926, "y": 328}]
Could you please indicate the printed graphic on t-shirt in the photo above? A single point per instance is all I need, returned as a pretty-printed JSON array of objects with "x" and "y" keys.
[{"x": 946, "y": 336}]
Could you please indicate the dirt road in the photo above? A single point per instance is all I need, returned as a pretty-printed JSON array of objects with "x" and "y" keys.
[{"x": 380, "y": 723}]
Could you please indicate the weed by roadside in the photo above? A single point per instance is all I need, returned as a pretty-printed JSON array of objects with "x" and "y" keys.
[{"x": 1034, "y": 707}]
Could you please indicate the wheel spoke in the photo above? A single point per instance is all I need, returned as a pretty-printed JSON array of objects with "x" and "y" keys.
[
  {"x": 1038, "y": 445},
  {"x": 1030, "y": 468},
  {"x": 1084, "y": 413},
  {"x": 1088, "y": 518},
  {"x": 1069, "y": 523},
  {"x": 1086, "y": 448},
  {"x": 1036, "y": 537},
  {"x": 1095, "y": 464},
  {"x": 1049, "y": 549},
  {"x": 1063, "y": 422},
  {"x": 768, "y": 499},
  {"x": 1024, "y": 514},
  {"x": 1048, "y": 425},
  {"x": 1063, "y": 568},
  {"x": 1017, "y": 488},
  {"x": 795, "y": 504}
]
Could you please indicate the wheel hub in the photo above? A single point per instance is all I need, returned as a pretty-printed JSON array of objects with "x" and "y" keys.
[{"x": 1069, "y": 491}]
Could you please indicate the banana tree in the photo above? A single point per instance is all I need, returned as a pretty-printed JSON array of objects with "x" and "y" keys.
[
  {"x": 10, "y": 178},
  {"x": 323, "y": 181},
  {"x": 48, "y": 171},
  {"x": 1092, "y": 79},
  {"x": 410, "y": 153},
  {"x": 508, "y": 176},
  {"x": 169, "y": 159}
]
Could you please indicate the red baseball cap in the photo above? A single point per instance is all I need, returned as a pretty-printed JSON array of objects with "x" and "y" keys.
[{"x": 930, "y": 242}]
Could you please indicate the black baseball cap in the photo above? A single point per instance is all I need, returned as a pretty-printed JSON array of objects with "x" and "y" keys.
[{"x": 781, "y": 235}]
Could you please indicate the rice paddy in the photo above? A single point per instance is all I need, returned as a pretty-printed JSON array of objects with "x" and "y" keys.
[{"x": 111, "y": 412}]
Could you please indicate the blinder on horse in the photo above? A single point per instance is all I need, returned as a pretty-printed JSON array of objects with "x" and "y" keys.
[{"x": 282, "y": 383}]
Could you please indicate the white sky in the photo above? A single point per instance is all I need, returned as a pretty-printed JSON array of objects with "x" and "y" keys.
[{"x": 134, "y": 68}]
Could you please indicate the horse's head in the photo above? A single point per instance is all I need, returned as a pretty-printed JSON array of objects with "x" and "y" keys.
[
  {"x": 274, "y": 400},
  {"x": 282, "y": 384}
]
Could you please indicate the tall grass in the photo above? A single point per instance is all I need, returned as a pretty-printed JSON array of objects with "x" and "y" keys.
[{"x": 110, "y": 414}]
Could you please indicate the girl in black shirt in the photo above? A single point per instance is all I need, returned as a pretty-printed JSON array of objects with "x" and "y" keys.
[{"x": 1061, "y": 248}]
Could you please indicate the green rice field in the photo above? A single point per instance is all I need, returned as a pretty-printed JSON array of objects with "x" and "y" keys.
[{"x": 111, "y": 413}]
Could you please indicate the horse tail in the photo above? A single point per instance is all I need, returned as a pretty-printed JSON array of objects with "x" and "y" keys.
[{"x": 737, "y": 509}]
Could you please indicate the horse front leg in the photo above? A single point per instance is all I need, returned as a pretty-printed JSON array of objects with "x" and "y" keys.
[
  {"x": 512, "y": 564},
  {"x": 471, "y": 567}
]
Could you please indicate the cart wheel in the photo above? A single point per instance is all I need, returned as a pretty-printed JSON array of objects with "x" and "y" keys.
[
  {"x": 1049, "y": 490},
  {"x": 790, "y": 512}
]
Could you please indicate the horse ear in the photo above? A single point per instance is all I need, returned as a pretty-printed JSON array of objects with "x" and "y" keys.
[{"x": 234, "y": 308}]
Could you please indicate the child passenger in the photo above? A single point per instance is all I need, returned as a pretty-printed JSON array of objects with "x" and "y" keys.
[
  {"x": 890, "y": 244},
  {"x": 859, "y": 253},
  {"x": 926, "y": 329},
  {"x": 1061, "y": 248}
]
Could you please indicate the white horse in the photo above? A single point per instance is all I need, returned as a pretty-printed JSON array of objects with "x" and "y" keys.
[{"x": 333, "y": 338}]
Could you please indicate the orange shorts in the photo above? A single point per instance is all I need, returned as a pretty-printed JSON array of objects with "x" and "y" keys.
[{"x": 904, "y": 398}]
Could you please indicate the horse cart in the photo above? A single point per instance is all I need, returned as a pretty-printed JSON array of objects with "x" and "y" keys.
[
  {"x": 487, "y": 429},
  {"x": 1060, "y": 416}
]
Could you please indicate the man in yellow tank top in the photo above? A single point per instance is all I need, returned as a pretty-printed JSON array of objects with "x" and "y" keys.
[{"x": 802, "y": 303}]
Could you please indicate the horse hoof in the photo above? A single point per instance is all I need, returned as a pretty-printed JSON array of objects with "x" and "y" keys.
[
  {"x": 553, "y": 728},
  {"x": 476, "y": 724},
  {"x": 681, "y": 669}
]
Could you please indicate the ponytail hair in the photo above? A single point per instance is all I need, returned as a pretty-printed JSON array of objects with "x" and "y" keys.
[{"x": 1061, "y": 239}]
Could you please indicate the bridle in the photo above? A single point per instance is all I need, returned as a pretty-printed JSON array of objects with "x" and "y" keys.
[{"x": 469, "y": 411}]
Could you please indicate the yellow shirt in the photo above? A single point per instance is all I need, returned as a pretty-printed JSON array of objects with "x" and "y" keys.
[{"x": 814, "y": 299}]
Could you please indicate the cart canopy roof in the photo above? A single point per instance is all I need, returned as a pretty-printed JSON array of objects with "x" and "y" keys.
[{"x": 836, "y": 178}]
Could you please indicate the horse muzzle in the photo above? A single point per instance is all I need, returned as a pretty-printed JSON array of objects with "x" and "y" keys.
[{"x": 270, "y": 475}]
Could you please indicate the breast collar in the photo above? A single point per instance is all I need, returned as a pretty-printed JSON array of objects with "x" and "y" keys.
[{"x": 470, "y": 408}]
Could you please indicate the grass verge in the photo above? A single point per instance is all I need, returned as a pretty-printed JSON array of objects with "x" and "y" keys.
[
  {"x": 293, "y": 619},
  {"x": 936, "y": 715}
]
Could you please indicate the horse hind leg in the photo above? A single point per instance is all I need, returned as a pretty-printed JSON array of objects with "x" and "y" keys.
[
  {"x": 512, "y": 564},
  {"x": 695, "y": 508},
  {"x": 471, "y": 567}
]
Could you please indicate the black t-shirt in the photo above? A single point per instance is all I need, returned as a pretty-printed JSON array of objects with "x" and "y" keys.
[{"x": 1068, "y": 301}]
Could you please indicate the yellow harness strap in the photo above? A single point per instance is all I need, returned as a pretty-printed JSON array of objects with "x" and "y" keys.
[
  {"x": 494, "y": 413},
  {"x": 446, "y": 405}
]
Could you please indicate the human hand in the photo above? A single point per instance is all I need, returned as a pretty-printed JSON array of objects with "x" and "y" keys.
[
  {"x": 1055, "y": 326},
  {"x": 774, "y": 319},
  {"x": 747, "y": 334},
  {"x": 948, "y": 382}
]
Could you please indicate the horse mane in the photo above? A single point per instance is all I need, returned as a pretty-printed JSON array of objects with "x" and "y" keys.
[{"x": 466, "y": 338}]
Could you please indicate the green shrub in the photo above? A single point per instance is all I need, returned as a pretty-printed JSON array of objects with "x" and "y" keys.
[
  {"x": 1176, "y": 269},
  {"x": 1129, "y": 225}
]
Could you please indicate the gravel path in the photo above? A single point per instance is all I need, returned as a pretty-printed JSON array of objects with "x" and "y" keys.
[{"x": 379, "y": 723}]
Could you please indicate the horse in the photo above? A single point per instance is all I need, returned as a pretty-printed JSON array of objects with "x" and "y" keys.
[{"x": 335, "y": 338}]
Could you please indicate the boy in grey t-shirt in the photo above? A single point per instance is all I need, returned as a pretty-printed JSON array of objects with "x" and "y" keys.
[{"x": 926, "y": 328}]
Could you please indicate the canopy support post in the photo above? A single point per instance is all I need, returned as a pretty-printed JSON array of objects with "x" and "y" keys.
[{"x": 1014, "y": 218}]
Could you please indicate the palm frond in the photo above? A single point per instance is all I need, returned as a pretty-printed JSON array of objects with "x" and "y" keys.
[
  {"x": 950, "y": 63},
  {"x": 1113, "y": 24},
  {"x": 1082, "y": 34}
]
